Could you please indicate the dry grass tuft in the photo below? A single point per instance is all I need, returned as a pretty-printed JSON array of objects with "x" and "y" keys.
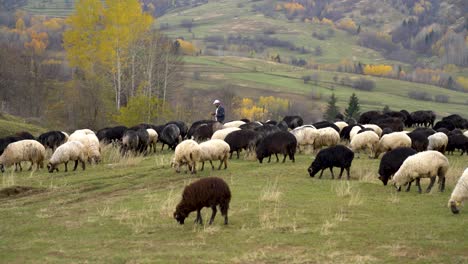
[{"x": 271, "y": 192}]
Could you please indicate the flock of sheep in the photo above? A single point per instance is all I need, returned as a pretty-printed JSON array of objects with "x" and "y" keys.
[{"x": 409, "y": 156}]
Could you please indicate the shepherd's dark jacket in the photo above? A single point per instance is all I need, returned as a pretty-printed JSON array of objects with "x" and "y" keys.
[{"x": 220, "y": 114}]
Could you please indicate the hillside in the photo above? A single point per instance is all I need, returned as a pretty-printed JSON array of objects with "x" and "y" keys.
[
  {"x": 122, "y": 211},
  {"x": 9, "y": 125}
]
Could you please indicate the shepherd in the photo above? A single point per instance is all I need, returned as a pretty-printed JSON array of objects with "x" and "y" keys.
[{"x": 219, "y": 113}]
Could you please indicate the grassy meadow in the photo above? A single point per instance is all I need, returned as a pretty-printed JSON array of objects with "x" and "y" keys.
[{"x": 120, "y": 211}]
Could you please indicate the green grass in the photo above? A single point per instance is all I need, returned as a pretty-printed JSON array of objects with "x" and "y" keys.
[
  {"x": 9, "y": 125},
  {"x": 268, "y": 78},
  {"x": 121, "y": 211}
]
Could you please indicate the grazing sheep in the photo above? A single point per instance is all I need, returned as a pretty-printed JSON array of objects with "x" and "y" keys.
[
  {"x": 459, "y": 142},
  {"x": 266, "y": 130},
  {"x": 367, "y": 140},
  {"x": 438, "y": 141},
  {"x": 153, "y": 139},
  {"x": 366, "y": 117},
  {"x": 443, "y": 130},
  {"x": 70, "y": 151},
  {"x": 188, "y": 152},
  {"x": 91, "y": 143},
  {"x": 424, "y": 130},
  {"x": 24, "y": 135},
  {"x": 455, "y": 132},
  {"x": 23, "y": 150},
  {"x": 52, "y": 139},
  {"x": 335, "y": 156},
  {"x": 394, "y": 123},
  {"x": 111, "y": 134},
  {"x": 206, "y": 192},
  {"x": 242, "y": 139},
  {"x": 459, "y": 193},
  {"x": 279, "y": 142},
  {"x": 293, "y": 121},
  {"x": 346, "y": 131},
  {"x": 448, "y": 124},
  {"x": 376, "y": 129},
  {"x": 324, "y": 124},
  {"x": 419, "y": 141},
  {"x": 427, "y": 164},
  {"x": 305, "y": 135},
  {"x": 282, "y": 126},
  {"x": 251, "y": 125},
  {"x": 341, "y": 125},
  {"x": 222, "y": 133},
  {"x": 237, "y": 123},
  {"x": 170, "y": 136},
  {"x": 386, "y": 131},
  {"x": 423, "y": 118},
  {"x": 182, "y": 128},
  {"x": 391, "y": 162},
  {"x": 327, "y": 137},
  {"x": 392, "y": 141},
  {"x": 214, "y": 149},
  {"x": 203, "y": 130},
  {"x": 409, "y": 120},
  {"x": 354, "y": 131}
]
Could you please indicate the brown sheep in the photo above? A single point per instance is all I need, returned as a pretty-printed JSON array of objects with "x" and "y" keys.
[{"x": 206, "y": 192}]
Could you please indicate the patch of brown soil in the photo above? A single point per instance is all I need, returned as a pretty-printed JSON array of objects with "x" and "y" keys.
[{"x": 19, "y": 191}]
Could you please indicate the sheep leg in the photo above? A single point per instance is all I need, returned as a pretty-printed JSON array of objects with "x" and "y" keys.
[
  {"x": 83, "y": 164},
  {"x": 430, "y": 184},
  {"x": 202, "y": 166},
  {"x": 66, "y": 167},
  {"x": 224, "y": 211},
  {"x": 347, "y": 170},
  {"x": 418, "y": 184},
  {"x": 162, "y": 147},
  {"x": 30, "y": 167},
  {"x": 238, "y": 154},
  {"x": 341, "y": 173},
  {"x": 269, "y": 159},
  {"x": 331, "y": 170},
  {"x": 213, "y": 214},
  {"x": 212, "y": 167},
  {"x": 408, "y": 187},
  {"x": 199, "y": 218},
  {"x": 441, "y": 184},
  {"x": 76, "y": 165},
  {"x": 277, "y": 159},
  {"x": 225, "y": 162},
  {"x": 284, "y": 159},
  {"x": 321, "y": 173},
  {"x": 230, "y": 156}
]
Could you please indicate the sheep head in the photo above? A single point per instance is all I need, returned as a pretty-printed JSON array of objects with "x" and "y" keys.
[
  {"x": 180, "y": 216},
  {"x": 454, "y": 206}
]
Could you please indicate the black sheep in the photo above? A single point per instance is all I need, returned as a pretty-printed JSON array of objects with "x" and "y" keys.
[
  {"x": 419, "y": 141},
  {"x": 365, "y": 129},
  {"x": 366, "y": 117},
  {"x": 111, "y": 134},
  {"x": 195, "y": 126},
  {"x": 391, "y": 162},
  {"x": 443, "y": 130},
  {"x": 293, "y": 121},
  {"x": 267, "y": 129},
  {"x": 455, "y": 132},
  {"x": 251, "y": 125},
  {"x": 393, "y": 123},
  {"x": 4, "y": 142},
  {"x": 457, "y": 142},
  {"x": 52, "y": 139},
  {"x": 241, "y": 139},
  {"x": 425, "y": 130},
  {"x": 206, "y": 192},
  {"x": 408, "y": 119},
  {"x": 324, "y": 124},
  {"x": 170, "y": 136},
  {"x": 344, "y": 134},
  {"x": 278, "y": 142},
  {"x": 24, "y": 135},
  {"x": 386, "y": 131},
  {"x": 423, "y": 118},
  {"x": 182, "y": 127},
  {"x": 335, "y": 156},
  {"x": 457, "y": 121},
  {"x": 282, "y": 126},
  {"x": 271, "y": 122},
  {"x": 448, "y": 124}
]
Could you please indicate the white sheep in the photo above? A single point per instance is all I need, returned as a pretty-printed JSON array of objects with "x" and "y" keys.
[
  {"x": 222, "y": 133},
  {"x": 354, "y": 132},
  {"x": 237, "y": 123},
  {"x": 188, "y": 152},
  {"x": 70, "y": 151},
  {"x": 376, "y": 129},
  {"x": 305, "y": 135},
  {"x": 23, "y": 150},
  {"x": 327, "y": 137},
  {"x": 214, "y": 149},
  {"x": 426, "y": 164},
  {"x": 367, "y": 140},
  {"x": 465, "y": 133},
  {"x": 392, "y": 141},
  {"x": 84, "y": 131},
  {"x": 459, "y": 193},
  {"x": 153, "y": 138},
  {"x": 438, "y": 141},
  {"x": 91, "y": 143},
  {"x": 341, "y": 125}
]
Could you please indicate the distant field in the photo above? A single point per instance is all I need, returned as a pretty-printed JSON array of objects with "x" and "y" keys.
[
  {"x": 53, "y": 8},
  {"x": 121, "y": 211},
  {"x": 9, "y": 125},
  {"x": 267, "y": 77}
]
